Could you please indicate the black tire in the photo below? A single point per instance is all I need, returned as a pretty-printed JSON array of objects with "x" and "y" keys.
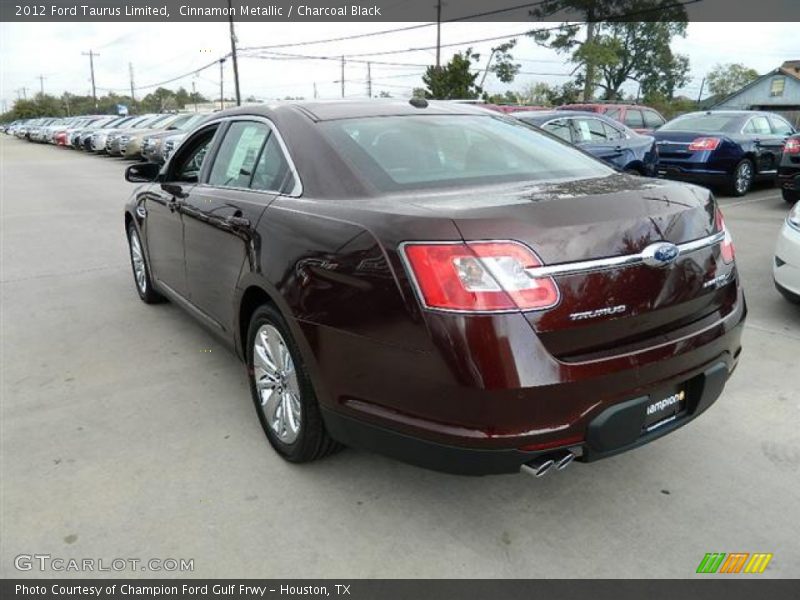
[
  {"x": 790, "y": 196},
  {"x": 144, "y": 287},
  {"x": 312, "y": 441},
  {"x": 741, "y": 180}
]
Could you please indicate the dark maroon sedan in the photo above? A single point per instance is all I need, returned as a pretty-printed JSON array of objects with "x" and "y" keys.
[{"x": 440, "y": 284}]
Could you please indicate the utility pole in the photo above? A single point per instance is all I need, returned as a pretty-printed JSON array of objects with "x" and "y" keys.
[
  {"x": 41, "y": 79},
  {"x": 66, "y": 101},
  {"x": 369, "y": 80},
  {"x": 342, "y": 76},
  {"x": 315, "y": 90},
  {"x": 133, "y": 88},
  {"x": 221, "y": 94},
  {"x": 24, "y": 94},
  {"x": 194, "y": 95},
  {"x": 700, "y": 95},
  {"x": 91, "y": 56},
  {"x": 438, "y": 33},
  {"x": 233, "y": 54}
]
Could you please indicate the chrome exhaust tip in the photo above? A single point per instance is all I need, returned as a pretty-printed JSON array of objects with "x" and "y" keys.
[
  {"x": 565, "y": 461},
  {"x": 538, "y": 467}
]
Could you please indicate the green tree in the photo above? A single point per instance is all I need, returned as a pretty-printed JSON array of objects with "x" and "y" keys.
[
  {"x": 504, "y": 68},
  {"x": 626, "y": 49},
  {"x": 723, "y": 80},
  {"x": 453, "y": 80}
]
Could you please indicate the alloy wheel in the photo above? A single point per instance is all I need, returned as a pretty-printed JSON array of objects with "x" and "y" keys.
[
  {"x": 744, "y": 177},
  {"x": 137, "y": 257},
  {"x": 276, "y": 384}
]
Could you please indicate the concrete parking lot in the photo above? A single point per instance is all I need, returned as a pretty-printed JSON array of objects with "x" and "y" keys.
[{"x": 128, "y": 432}]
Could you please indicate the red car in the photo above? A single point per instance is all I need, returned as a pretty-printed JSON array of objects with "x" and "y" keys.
[
  {"x": 642, "y": 119},
  {"x": 439, "y": 283},
  {"x": 511, "y": 108}
]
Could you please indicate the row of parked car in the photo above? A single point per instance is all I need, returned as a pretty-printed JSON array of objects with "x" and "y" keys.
[
  {"x": 726, "y": 150},
  {"x": 150, "y": 137}
]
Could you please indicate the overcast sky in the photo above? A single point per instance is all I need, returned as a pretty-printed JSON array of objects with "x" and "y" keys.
[{"x": 160, "y": 51}]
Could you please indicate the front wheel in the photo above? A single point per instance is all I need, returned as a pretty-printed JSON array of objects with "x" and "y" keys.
[
  {"x": 282, "y": 391},
  {"x": 790, "y": 196},
  {"x": 742, "y": 178},
  {"x": 141, "y": 272}
]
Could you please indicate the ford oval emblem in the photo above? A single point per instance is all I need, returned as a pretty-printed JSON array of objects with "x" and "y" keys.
[{"x": 660, "y": 254}]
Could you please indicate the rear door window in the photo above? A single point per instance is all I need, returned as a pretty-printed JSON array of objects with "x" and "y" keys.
[
  {"x": 759, "y": 126},
  {"x": 559, "y": 128},
  {"x": 634, "y": 119},
  {"x": 272, "y": 173},
  {"x": 612, "y": 133},
  {"x": 591, "y": 130},
  {"x": 652, "y": 120},
  {"x": 780, "y": 127}
]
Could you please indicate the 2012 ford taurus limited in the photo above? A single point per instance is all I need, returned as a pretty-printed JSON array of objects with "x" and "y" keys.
[{"x": 443, "y": 285}]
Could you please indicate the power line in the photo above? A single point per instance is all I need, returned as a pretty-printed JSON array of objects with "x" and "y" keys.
[
  {"x": 401, "y": 29},
  {"x": 598, "y": 19}
]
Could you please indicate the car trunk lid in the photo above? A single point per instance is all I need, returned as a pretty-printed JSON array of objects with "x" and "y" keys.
[{"x": 598, "y": 219}]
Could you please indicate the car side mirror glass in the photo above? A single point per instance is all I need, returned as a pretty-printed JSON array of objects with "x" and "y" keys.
[{"x": 143, "y": 172}]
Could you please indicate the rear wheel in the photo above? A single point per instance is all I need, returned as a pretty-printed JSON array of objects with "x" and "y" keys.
[
  {"x": 742, "y": 178},
  {"x": 790, "y": 196},
  {"x": 282, "y": 391}
]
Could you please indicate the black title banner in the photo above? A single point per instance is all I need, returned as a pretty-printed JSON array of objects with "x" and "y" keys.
[
  {"x": 396, "y": 10},
  {"x": 397, "y": 589}
]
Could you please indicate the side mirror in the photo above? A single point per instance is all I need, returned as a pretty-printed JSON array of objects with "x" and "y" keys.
[{"x": 142, "y": 173}]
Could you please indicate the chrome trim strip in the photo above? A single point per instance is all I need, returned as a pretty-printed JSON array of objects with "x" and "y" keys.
[{"x": 628, "y": 260}]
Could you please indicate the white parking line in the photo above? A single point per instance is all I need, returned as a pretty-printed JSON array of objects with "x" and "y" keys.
[{"x": 750, "y": 201}]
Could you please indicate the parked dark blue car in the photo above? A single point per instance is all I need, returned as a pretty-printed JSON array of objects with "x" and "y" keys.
[
  {"x": 600, "y": 136},
  {"x": 723, "y": 149}
]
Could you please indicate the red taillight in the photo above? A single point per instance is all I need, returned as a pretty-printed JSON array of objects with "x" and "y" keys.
[
  {"x": 792, "y": 146},
  {"x": 479, "y": 277},
  {"x": 704, "y": 143},
  {"x": 726, "y": 247}
]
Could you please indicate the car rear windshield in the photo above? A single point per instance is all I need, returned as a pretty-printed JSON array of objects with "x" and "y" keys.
[
  {"x": 412, "y": 152},
  {"x": 701, "y": 123}
]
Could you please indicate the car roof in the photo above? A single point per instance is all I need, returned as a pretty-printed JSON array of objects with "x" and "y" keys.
[
  {"x": 553, "y": 114},
  {"x": 732, "y": 113},
  {"x": 321, "y": 110}
]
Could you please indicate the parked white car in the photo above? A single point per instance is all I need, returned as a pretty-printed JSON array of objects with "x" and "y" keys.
[{"x": 786, "y": 269}]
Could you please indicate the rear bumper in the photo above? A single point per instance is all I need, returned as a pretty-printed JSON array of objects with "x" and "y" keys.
[
  {"x": 786, "y": 268},
  {"x": 692, "y": 173},
  {"x": 616, "y": 429},
  {"x": 388, "y": 401}
]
